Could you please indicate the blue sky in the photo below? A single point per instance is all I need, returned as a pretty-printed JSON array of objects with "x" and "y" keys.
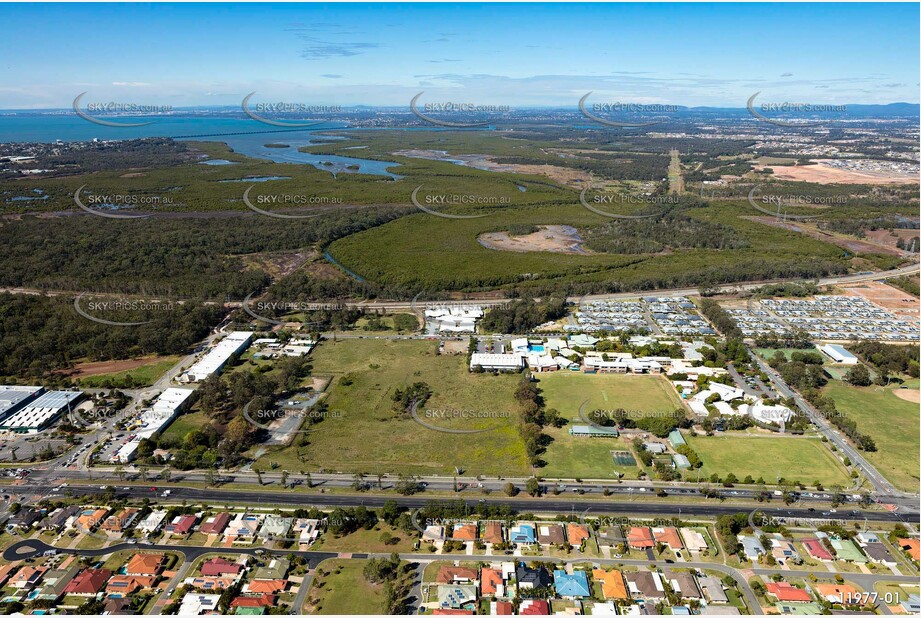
[{"x": 509, "y": 54}]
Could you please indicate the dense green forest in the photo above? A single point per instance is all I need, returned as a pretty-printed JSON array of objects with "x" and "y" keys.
[{"x": 41, "y": 334}]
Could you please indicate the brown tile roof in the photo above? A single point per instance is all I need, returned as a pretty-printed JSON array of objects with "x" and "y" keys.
[
  {"x": 492, "y": 532},
  {"x": 912, "y": 546},
  {"x": 270, "y": 586},
  {"x": 453, "y": 574},
  {"x": 129, "y": 584},
  {"x": 550, "y": 533}
]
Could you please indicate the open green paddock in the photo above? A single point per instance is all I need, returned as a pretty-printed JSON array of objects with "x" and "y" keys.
[
  {"x": 890, "y": 421},
  {"x": 364, "y": 433},
  {"x": 584, "y": 457},
  {"x": 768, "y": 456}
]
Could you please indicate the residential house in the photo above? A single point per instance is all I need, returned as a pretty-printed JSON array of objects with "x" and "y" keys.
[
  {"x": 27, "y": 578},
  {"x": 848, "y": 551},
  {"x": 492, "y": 532},
  {"x": 181, "y": 525},
  {"x": 528, "y": 578},
  {"x": 118, "y": 606},
  {"x": 712, "y": 588},
  {"x": 456, "y": 596},
  {"x": 840, "y": 593},
  {"x": 264, "y": 601},
  {"x": 867, "y": 537},
  {"x": 645, "y": 585},
  {"x": 127, "y": 585},
  {"x": 152, "y": 522},
  {"x": 783, "y": 550},
  {"x": 275, "y": 527},
  {"x": 6, "y": 571},
  {"x": 683, "y": 583},
  {"x": 242, "y": 529},
  {"x": 817, "y": 550},
  {"x": 668, "y": 536},
  {"x": 216, "y": 567},
  {"x": 60, "y": 518},
  {"x": 611, "y": 536},
  {"x": 196, "y": 604},
  {"x": 53, "y": 584},
  {"x": 693, "y": 540},
  {"x": 523, "y": 534},
  {"x": 751, "y": 547},
  {"x": 24, "y": 519},
  {"x": 878, "y": 554},
  {"x": 88, "y": 582},
  {"x": 119, "y": 522},
  {"x": 457, "y": 575},
  {"x": 215, "y": 524},
  {"x": 640, "y": 537},
  {"x": 534, "y": 607},
  {"x": 788, "y": 593},
  {"x": 492, "y": 582},
  {"x": 571, "y": 585},
  {"x": 90, "y": 519},
  {"x": 551, "y": 534},
  {"x": 464, "y": 532},
  {"x": 433, "y": 534},
  {"x": 150, "y": 565},
  {"x": 501, "y": 608},
  {"x": 612, "y": 584},
  {"x": 307, "y": 530},
  {"x": 577, "y": 534},
  {"x": 912, "y": 547}
]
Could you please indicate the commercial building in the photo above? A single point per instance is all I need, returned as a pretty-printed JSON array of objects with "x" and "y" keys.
[
  {"x": 164, "y": 410},
  {"x": 215, "y": 359},
  {"x": 13, "y": 398},
  {"x": 496, "y": 362},
  {"x": 838, "y": 354},
  {"x": 39, "y": 413}
]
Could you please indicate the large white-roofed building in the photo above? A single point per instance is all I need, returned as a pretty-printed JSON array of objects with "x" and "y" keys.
[
  {"x": 496, "y": 362},
  {"x": 215, "y": 359},
  {"x": 41, "y": 412}
]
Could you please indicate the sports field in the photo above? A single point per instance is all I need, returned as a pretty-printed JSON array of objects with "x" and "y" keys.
[
  {"x": 363, "y": 432},
  {"x": 890, "y": 421},
  {"x": 793, "y": 458},
  {"x": 582, "y": 457}
]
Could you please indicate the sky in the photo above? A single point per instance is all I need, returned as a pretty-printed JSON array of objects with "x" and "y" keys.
[{"x": 484, "y": 54}]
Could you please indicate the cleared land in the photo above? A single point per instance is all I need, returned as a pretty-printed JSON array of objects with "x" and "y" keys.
[
  {"x": 822, "y": 174},
  {"x": 365, "y": 433},
  {"x": 344, "y": 590},
  {"x": 569, "y": 456},
  {"x": 140, "y": 372},
  {"x": 795, "y": 459},
  {"x": 552, "y": 238},
  {"x": 891, "y": 421}
]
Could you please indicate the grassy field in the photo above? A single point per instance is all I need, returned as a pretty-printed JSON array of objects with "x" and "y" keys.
[
  {"x": 344, "y": 590},
  {"x": 140, "y": 376},
  {"x": 581, "y": 457},
  {"x": 768, "y": 353},
  {"x": 186, "y": 423},
  {"x": 890, "y": 421},
  {"x": 802, "y": 459},
  {"x": 366, "y": 541},
  {"x": 365, "y": 433}
]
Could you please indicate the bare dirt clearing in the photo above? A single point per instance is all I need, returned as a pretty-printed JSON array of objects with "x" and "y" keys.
[
  {"x": 550, "y": 238},
  {"x": 563, "y": 175},
  {"x": 823, "y": 174}
]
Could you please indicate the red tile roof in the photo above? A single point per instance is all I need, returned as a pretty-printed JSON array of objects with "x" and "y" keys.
[
  {"x": 452, "y": 574},
  {"x": 504, "y": 608},
  {"x": 786, "y": 592},
  {"x": 88, "y": 581},
  {"x": 536, "y": 607},
  {"x": 217, "y": 525},
  {"x": 266, "y": 600},
  {"x": 817, "y": 550},
  {"x": 576, "y": 533},
  {"x": 640, "y": 537},
  {"x": 220, "y": 566},
  {"x": 489, "y": 580}
]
